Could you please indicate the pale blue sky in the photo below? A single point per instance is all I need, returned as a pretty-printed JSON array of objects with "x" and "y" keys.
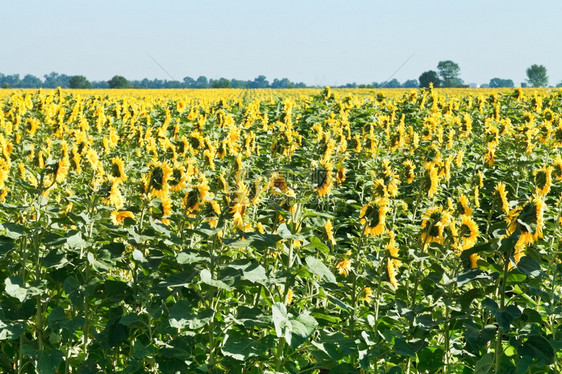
[{"x": 317, "y": 42}]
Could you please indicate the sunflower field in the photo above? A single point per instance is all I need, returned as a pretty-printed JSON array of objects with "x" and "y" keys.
[{"x": 270, "y": 231}]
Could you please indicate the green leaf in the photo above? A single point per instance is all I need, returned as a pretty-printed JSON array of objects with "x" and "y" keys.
[
  {"x": 11, "y": 330},
  {"x": 206, "y": 278},
  {"x": 301, "y": 329},
  {"x": 191, "y": 256},
  {"x": 528, "y": 265},
  {"x": 523, "y": 364},
  {"x": 402, "y": 347},
  {"x": 242, "y": 347},
  {"x": 255, "y": 273},
  {"x": 538, "y": 347},
  {"x": 49, "y": 362},
  {"x": 15, "y": 288},
  {"x": 249, "y": 317},
  {"x": 317, "y": 243},
  {"x": 6, "y": 245},
  {"x": 13, "y": 230},
  {"x": 182, "y": 316},
  {"x": 318, "y": 268},
  {"x": 280, "y": 318},
  {"x": 430, "y": 359},
  {"x": 182, "y": 279},
  {"x": 484, "y": 364},
  {"x": 75, "y": 240}
]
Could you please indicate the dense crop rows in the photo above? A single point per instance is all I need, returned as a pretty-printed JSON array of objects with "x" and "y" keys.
[{"x": 307, "y": 232}]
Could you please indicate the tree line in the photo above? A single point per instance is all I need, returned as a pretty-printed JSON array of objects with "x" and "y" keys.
[{"x": 447, "y": 75}]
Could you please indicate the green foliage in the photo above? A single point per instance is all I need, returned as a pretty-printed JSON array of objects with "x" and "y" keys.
[
  {"x": 536, "y": 76},
  {"x": 428, "y": 77},
  {"x": 118, "y": 82}
]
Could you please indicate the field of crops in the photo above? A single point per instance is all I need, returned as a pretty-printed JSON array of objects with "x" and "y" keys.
[{"x": 315, "y": 231}]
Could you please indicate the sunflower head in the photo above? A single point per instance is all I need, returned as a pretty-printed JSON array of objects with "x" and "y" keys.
[
  {"x": 373, "y": 216},
  {"x": 543, "y": 180}
]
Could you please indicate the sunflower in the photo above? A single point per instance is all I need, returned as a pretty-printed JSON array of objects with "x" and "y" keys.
[
  {"x": 373, "y": 216},
  {"x": 117, "y": 173},
  {"x": 409, "y": 169},
  {"x": 177, "y": 178},
  {"x": 462, "y": 206},
  {"x": 156, "y": 183},
  {"x": 114, "y": 198},
  {"x": 239, "y": 205},
  {"x": 324, "y": 179},
  {"x": 528, "y": 221},
  {"x": 434, "y": 222},
  {"x": 368, "y": 294},
  {"x": 468, "y": 232},
  {"x": 501, "y": 193},
  {"x": 543, "y": 180},
  {"x": 340, "y": 173},
  {"x": 343, "y": 267},
  {"x": 557, "y": 168},
  {"x": 330, "y": 232},
  {"x": 118, "y": 216},
  {"x": 195, "y": 196},
  {"x": 558, "y": 135},
  {"x": 431, "y": 179},
  {"x": 61, "y": 168},
  {"x": 379, "y": 188}
]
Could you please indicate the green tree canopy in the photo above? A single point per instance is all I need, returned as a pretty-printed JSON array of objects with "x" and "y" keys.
[
  {"x": 536, "y": 76},
  {"x": 118, "y": 82},
  {"x": 498, "y": 82},
  {"x": 79, "y": 81},
  {"x": 428, "y": 77},
  {"x": 449, "y": 72}
]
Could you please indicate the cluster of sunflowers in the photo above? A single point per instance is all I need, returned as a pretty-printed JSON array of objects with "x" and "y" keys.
[{"x": 384, "y": 188}]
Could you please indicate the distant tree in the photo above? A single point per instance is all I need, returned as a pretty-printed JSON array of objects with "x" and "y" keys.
[
  {"x": 79, "y": 81},
  {"x": 391, "y": 84},
  {"x": 221, "y": 83},
  {"x": 498, "y": 82},
  {"x": 188, "y": 82},
  {"x": 428, "y": 77},
  {"x": 201, "y": 82},
  {"x": 484, "y": 85},
  {"x": 410, "y": 83},
  {"x": 31, "y": 81},
  {"x": 237, "y": 83},
  {"x": 559, "y": 84},
  {"x": 259, "y": 82},
  {"x": 118, "y": 82},
  {"x": 524, "y": 85},
  {"x": 536, "y": 75},
  {"x": 54, "y": 80},
  {"x": 449, "y": 72},
  {"x": 5, "y": 85}
]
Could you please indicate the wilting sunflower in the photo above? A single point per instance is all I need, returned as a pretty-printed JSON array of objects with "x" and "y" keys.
[
  {"x": 434, "y": 222},
  {"x": 279, "y": 185},
  {"x": 373, "y": 216},
  {"x": 117, "y": 170},
  {"x": 501, "y": 194},
  {"x": 61, "y": 168},
  {"x": 543, "y": 180},
  {"x": 238, "y": 206},
  {"x": 393, "y": 262}
]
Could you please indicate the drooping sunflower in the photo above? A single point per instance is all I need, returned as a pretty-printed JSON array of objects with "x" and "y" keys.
[
  {"x": 195, "y": 196},
  {"x": 177, "y": 178},
  {"x": 340, "y": 173},
  {"x": 239, "y": 204},
  {"x": 373, "y": 216},
  {"x": 543, "y": 180},
  {"x": 557, "y": 135},
  {"x": 61, "y": 168}
]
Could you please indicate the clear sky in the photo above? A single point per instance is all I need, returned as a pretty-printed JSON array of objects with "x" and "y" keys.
[{"x": 314, "y": 41}]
